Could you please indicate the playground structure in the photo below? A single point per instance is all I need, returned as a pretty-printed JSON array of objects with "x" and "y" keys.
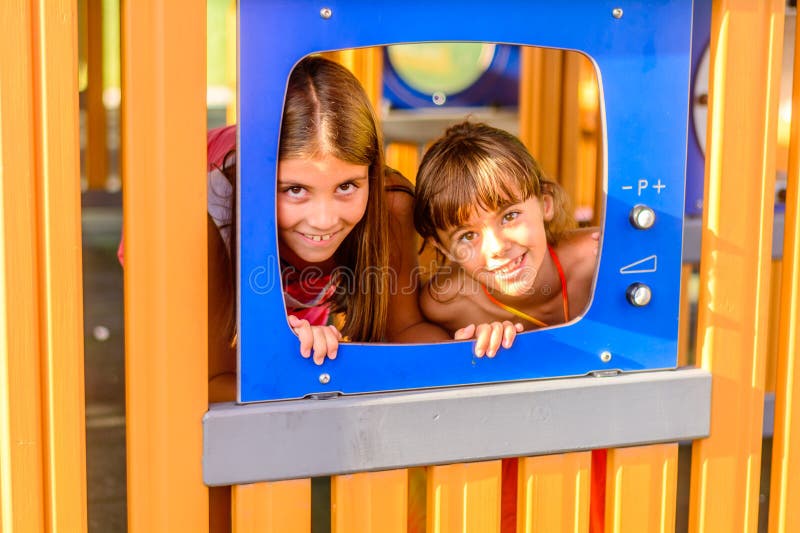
[{"x": 41, "y": 450}]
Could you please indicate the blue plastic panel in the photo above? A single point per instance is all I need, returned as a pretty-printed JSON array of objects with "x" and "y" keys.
[{"x": 643, "y": 63}]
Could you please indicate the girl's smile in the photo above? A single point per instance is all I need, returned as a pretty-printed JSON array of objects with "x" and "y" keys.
[{"x": 319, "y": 203}]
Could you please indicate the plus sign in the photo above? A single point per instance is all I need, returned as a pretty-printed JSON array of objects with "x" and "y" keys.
[{"x": 658, "y": 186}]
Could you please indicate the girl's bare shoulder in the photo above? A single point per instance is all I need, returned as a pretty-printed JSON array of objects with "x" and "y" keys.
[{"x": 578, "y": 250}]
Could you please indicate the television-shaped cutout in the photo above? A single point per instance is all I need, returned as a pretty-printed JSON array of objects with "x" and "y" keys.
[{"x": 642, "y": 59}]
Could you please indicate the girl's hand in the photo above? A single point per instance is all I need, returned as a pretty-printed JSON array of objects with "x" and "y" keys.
[
  {"x": 323, "y": 339},
  {"x": 489, "y": 336}
]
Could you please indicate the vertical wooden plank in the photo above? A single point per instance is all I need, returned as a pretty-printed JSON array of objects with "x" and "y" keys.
[
  {"x": 96, "y": 159},
  {"x": 370, "y": 502},
  {"x": 641, "y": 489},
  {"x": 281, "y": 507},
  {"x": 746, "y": 40},
  {"x": 774, "y": 315},
  {"x": 164, "y": 207},
  {"x": 784, "y": 513},
  {"x": 684, "y": 324},
  {"x": 42, "y": 467},
  {"x": 553, "y": 493},
  {"x": 570, "y": 125},
  {"x": 59, "y": 251},
  {"x": 589, "y": 180},
  {"x": 549, "y": 124},
  {"x": 530, "y": 97},
  {"x": 403, "y": 157},
  {"x": 21, "y": 448},
  {"x": 464, "y": 497},
  {"x": 367, "y": 66}
]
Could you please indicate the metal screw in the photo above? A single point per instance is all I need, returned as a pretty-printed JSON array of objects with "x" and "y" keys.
[
  {"x": 325, "y": 378},
  {"x": 325, "y": 13},
  {"x": 617, "y": 12},
  {"x": 605, "y": 356},
  {"x": 642, "y": 217}
]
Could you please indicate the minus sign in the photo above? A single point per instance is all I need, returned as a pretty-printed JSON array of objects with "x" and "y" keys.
[{"x": 627, "y": 187}]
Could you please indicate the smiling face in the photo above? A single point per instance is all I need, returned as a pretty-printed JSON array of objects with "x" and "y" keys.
[
  {"x": 502, "y": 249},
  {"x": 319, "y": 203}
]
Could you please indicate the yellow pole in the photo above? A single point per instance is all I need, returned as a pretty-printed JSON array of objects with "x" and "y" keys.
[
  {"x": 746, "y": 39},
  {"x": 42, "y": 447},
  {"x": 784, "y": 514},
  {"x": 164, "y": 206}
]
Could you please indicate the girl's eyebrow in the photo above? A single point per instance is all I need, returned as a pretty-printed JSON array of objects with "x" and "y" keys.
[{"x": 290, "y": 183}]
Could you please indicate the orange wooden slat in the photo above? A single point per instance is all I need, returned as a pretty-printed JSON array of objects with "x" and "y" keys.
[
  {"x": 784, "y": 513},
  {"x": 530, "y": 96},
  {"x": 59, "y": 263},
  {"x": 42, "y": 450},
  {"x": 96, "y": 158},
  {"x": 549, "y": 123},
  {"x": 684, "y": 324},
  {"x": 22, "y": 497},
  {"x": 279, "y": 507},
  {"x": 403, "y": 157},
  {"x": 464, "y": 497},
  {"x": 367, "y": 66},
  {"x": 775, "y": 284},
  {"x": 746, "y": 39},
  {"x": 570, "y": 125},
  {"x": 164, "y": 219},
  {"x": 553, "y": 493},
  {"x": 370, "y": 502},
  {"x": 641, "y": 489}
]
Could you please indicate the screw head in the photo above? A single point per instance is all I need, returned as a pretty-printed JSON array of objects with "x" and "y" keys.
[
  {"x": 605, "y": 356},
  {"x": 642, "y": 217},
  {"x": 439, "y": 98},
  {"x": 325, "y": 378},
  {"x": 325, "y": 13},
  {"x": 617, "y": 12}
]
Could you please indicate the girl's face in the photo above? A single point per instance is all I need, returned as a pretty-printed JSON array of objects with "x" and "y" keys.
[
  {"x": 503, "y": 249},
  {"x": 319, "y": 203}
]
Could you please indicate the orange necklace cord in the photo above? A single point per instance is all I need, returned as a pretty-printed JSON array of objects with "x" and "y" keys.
[{"x": 525, "y": 316}]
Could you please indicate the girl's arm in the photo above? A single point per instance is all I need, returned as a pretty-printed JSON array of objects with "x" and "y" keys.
[{"x": 461, "y": 316}]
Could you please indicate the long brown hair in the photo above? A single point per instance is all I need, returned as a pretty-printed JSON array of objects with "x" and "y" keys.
[
  {"x": 327, "y": 112},
  {"x": 474, "y": 164}
]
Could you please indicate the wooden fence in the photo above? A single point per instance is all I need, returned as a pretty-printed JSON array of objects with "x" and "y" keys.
[{"x": 42, "y": 465}]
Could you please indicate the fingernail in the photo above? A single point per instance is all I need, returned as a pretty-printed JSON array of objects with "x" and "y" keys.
[{"x": 332, "y": 356}]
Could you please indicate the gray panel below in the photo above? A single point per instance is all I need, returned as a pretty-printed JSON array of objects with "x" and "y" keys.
[{"x": 314, "y": 437}]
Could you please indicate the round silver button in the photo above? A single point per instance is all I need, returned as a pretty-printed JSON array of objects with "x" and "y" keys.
[
  {"x": 642, "y": 217},
  {"x": 639, "y": 294}
]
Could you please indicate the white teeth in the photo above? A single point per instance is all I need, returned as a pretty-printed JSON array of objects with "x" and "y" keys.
[
  {"x": 506, "y": 268},
  {"x": 318, "y": 238}
]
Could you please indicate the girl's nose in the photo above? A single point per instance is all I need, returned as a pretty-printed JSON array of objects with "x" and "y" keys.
[
  {"x": 493, "y": 243},
  {"x": 323, "y": 215}
]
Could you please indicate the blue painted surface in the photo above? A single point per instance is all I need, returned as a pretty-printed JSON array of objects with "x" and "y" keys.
[{"x": 643, "y": 61}]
